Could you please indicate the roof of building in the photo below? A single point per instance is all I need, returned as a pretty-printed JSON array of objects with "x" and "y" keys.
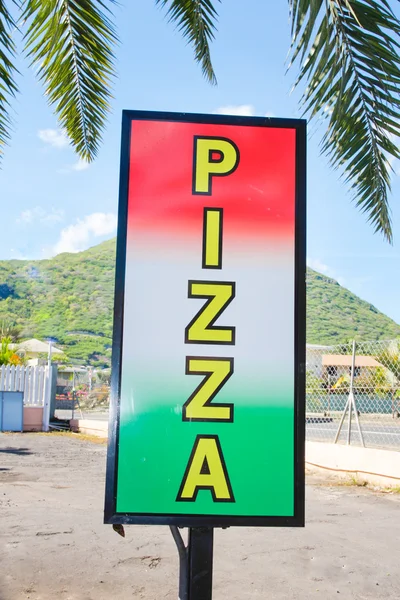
[
  {"x": 36, "y": 346},
  {"x": 345, "y": 360}
]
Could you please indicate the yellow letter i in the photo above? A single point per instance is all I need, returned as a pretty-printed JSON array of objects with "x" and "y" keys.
[{"x": 212, "y": 238}]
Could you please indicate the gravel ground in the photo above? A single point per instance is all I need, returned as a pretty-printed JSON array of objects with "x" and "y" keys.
[{"x": 53, "y": 543}]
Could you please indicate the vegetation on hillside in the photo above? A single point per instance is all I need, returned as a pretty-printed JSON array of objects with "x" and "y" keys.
[
  {"x": 335, "y": 315},
  {"x": 69, "y": 299}
]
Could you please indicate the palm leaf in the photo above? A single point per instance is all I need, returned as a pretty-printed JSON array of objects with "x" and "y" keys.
[
  {"x": 196, "y": 20},
  {"x": 8, "y": 87},
  {"x": 349, "y": 55},
  {"x": 71, "y": 43}
]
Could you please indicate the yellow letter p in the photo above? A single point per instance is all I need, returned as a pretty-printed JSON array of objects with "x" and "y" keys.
[{"x": 213, "y": 157}]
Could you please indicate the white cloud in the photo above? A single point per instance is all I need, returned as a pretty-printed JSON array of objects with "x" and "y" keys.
[
  {"x": 77, "y": 237},
  {"x": 321, "y": 267},
  {"x": 56, "y": 138},
  {"x": 25, "y": 217},
  {"x": 81, "y": 165},
  {"x": 55, "y": 216},
  {"x": 317, "y": 265},
  {"x": 40, "y": 215},
  {"x": 241, "y": 110},
  {"x": 18, "y": 255}
]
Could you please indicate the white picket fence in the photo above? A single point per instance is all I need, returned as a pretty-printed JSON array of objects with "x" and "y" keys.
[{"x": 33, "y": 381}]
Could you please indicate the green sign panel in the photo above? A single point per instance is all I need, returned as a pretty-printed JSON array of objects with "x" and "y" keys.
[{"x": 207, "y": 415}]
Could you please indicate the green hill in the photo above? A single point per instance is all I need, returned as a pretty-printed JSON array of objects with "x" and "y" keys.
[
  {"x": 70, "y": 298},
  {"x": 335, "y": 315}
]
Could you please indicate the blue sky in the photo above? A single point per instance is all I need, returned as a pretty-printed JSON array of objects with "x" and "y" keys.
[{"x": 53, "y": 202}]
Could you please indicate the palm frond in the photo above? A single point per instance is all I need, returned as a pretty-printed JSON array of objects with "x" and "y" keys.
[
  {"x": 349, "y": 55},
  {"x": 71, "y": 42},
  {"x": 8, "y": 87},
  {"x": 196, "y": 20}
]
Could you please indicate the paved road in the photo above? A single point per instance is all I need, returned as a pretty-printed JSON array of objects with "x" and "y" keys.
[
  {"x": 374, "y": 434},
  {"x": 94, "y": 415},
  {"x": 53, "y": 543}
]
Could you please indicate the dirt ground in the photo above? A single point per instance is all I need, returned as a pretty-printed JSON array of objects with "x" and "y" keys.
[{"x": 53, "y": 543}]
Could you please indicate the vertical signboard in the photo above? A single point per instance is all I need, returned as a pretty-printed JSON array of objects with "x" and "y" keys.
[{"x": 207, "y": 414}]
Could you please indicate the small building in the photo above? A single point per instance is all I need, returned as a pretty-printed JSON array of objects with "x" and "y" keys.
[
  {"x": 334, "y": 365},
  {"x": 33, "y": 350},
  {"x": 369, "y": 373}
]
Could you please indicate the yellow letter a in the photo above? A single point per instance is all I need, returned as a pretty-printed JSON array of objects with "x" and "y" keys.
[{"x": 206, "y": 470}]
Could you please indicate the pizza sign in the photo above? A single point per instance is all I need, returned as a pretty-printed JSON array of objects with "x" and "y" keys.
[{"x": 207, "y": 416}]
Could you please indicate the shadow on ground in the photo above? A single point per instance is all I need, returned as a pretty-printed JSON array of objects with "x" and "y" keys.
[{"x": 18, "y": 451}]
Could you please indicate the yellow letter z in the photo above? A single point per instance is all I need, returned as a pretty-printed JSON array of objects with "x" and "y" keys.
[
  {"x": 201, "y": 329},
  {"x": 217, "y": 371}
]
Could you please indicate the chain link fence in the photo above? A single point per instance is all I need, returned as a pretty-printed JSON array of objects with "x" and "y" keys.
[
  {"x": 353, "y": 393},
  {"x": 357, "y": 379},
  {"x": 81, "y": 391}
]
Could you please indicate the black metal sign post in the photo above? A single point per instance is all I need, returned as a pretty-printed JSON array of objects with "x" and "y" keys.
[
  {"x": 200, "y": 559},
  {"x": 195, "y": 563}
]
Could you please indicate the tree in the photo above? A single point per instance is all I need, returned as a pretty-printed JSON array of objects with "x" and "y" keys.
[
  {"x": 56, "y": 359},
  {"x": 347, "y": 52},
  {"x": 390, "y": 359},
  {"x": 7, "y": 355},
  {"x": 9, "y": 329}
]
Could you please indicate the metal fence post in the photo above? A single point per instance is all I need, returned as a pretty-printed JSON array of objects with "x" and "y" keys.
[
  {"x": 359, "y": 381},
  {"x": 46, "y": 399},
  {"x": 351, "y": 395}
]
